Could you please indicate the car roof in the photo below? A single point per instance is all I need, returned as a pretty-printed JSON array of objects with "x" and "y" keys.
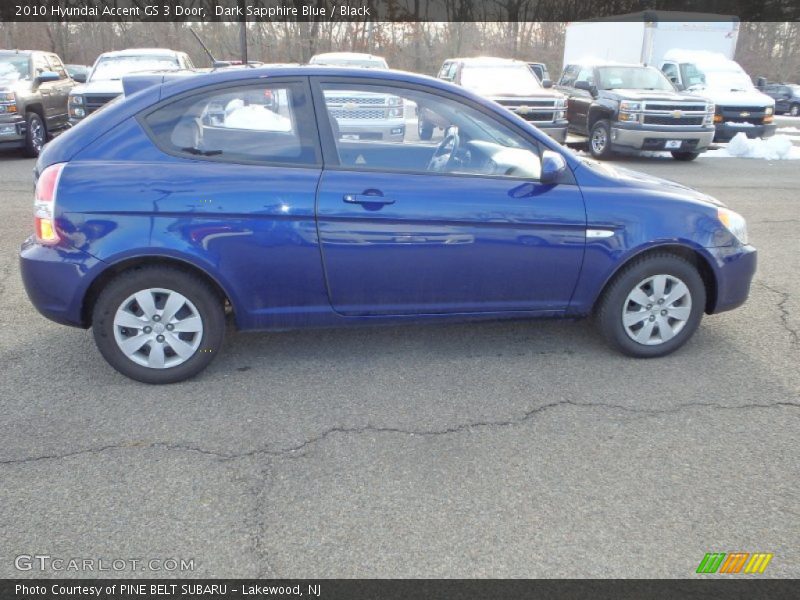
[
  {"x": 22, "y": 52},
  {"x": 139, "y": 52},
  {"x": 486, "y": 60}
]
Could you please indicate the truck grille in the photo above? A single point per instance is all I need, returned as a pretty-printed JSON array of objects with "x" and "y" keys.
[
  {"x": 535, "y": 111},
  {"x": 358, "y": 113},
  {"x": 95, "y": 101},
  {"x": 661, "y": 120},
  {"x": 742, "y": 114},
  {"x": 674, "y": 114}
]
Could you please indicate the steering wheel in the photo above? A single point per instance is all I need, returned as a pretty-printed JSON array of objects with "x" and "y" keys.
[{"x": 444, "y": 157}]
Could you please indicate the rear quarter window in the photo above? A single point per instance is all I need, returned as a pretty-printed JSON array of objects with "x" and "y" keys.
[{"x": 261, "y": 123}]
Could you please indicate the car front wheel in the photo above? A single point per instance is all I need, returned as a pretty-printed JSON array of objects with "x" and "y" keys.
[
  {"x": 36, "y": 135},
  {"x": 158, "y": 324},
  {"x": 600, "y": 139},
  {"x": 653, "y": 306}
]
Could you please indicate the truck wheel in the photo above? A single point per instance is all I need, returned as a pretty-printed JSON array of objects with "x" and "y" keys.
[
  {"x": 685, "y": 156},
  {"x": 425, "y": 130},
  {"x": 158, "y": 324},
  {"x": 35, "y": 136},
  {"x": 794, "y": 110},
  {"x": 653, "y": 306},
  {"x": 600, "y": 139}
]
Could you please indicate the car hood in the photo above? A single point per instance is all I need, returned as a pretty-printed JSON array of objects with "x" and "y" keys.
[
  {"x": 726, "y": 97},
  {"x": 635, "y": 179},
  {"x": 632, "y": 94},
  {"x": 106, "y": 86},
  {"x": 537, "y": 93}
]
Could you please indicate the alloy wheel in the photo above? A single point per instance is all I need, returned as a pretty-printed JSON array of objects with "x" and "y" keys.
[
  {"x": 158, "y": 328},
  {"x": 656, "y": 309},
  {"x": 599, "y": 140}
]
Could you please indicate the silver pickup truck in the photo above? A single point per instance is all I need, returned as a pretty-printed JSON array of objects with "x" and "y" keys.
[{"x": 363, "y": 115}]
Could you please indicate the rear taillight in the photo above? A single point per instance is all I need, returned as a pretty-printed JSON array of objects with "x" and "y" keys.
[{"x": 44, "y": 206}]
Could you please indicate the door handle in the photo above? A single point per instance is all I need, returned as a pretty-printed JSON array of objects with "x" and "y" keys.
[{"x": 367, "y": 199}]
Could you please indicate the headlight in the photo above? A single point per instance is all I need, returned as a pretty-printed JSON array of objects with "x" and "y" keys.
[
  {"x": 630, "y": 106},
  {"x": 769, "y": 110},
  {"x": 78, "y": 100},
  {"x": 733, "y": 222},
  {"x": 394, "y": 100},
  {"x": 710, "y": 108},
  {"x": 8, "y": 102},
  {"x": 561, "y": 103},
  {"x": 395, "y": 113}
]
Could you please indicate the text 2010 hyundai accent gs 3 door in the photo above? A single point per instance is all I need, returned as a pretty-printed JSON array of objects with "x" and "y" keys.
[{"x": 237, "y": 191}]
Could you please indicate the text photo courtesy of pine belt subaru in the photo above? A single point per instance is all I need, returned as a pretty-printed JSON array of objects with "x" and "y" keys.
[{"x": 153, "y": 221}]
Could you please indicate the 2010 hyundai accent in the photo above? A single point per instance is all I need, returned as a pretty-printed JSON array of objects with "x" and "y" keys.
[{"x": 235, "y": 191}]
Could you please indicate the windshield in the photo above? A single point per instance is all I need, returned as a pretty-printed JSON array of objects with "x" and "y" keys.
[
  {"x": 367, "y": 63},
  {"x": 717, "y": 77},
  {"x": 632, "y": 78},
  {"x": 499, "y": 80},
  {"x": 14, "y": 67},
  {"x": 109, "y": 68}
]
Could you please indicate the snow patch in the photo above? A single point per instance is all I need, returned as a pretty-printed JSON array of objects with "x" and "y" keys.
[{"x": 779, "y": 147}]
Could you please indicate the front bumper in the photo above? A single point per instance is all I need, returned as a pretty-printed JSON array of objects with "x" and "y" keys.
[
  {"x": 394, "y": 130},
  {"x": 726, "y": 130},
  {"x": 56, "y": 280},
  {"x": 734, "y": 269},
  {"x": 637, "y": 137},
  {"x": 557, "y": 130},
  {"x": 13, "y": 132}
]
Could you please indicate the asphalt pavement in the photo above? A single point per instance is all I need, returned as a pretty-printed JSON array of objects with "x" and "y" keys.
[{"x": 513, "y": 449}]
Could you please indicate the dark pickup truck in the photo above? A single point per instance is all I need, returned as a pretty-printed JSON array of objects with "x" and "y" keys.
[
  {"x": 786, "y": 96},
  {"x": 630, "y": 108},
  {"x": 34, "y": 88}
]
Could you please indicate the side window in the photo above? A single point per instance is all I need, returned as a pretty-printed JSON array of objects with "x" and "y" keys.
[
  {"x": 444, "y": 71},
  {"x": 387, "y": 128},
  {"x": 671, "y": 71},
  {"x": 586, "y": 74},
  {"x": 569, "y": 76},
  {"x": 57, "y": 66},
  {"x": 188, "y": 62},
  {"x": 40, "y": 64},
  {"x": 264, "y": 123}
]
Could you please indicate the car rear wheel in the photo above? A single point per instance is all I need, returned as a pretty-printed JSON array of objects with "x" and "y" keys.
[
  {"x": 653, "y": 306},
  {"x": 158, "y": 324},
  {"x": 685, "y": 156},
  {"x": 600, "y": 139},
  {"x": 794, "y": 110},
  {"x": 36, "y": 135}
]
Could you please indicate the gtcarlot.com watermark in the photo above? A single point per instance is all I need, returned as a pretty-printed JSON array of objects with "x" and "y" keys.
[{"x": 45, "y": 562}]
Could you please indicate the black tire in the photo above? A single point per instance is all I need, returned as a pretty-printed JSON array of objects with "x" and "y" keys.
[
  {"x": 601, "y": 128},
  {"x": 200, "y": 293},
  {"x": 611, "y": 305},
  {"x": 794, "y": 110},
  {"x": 424, "y": 129},
  {"x": 685, "y": 156},
  {"x": 35, "y": 135}
]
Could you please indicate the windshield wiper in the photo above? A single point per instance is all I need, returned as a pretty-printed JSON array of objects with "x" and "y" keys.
[{"x": 199, "y": 152}]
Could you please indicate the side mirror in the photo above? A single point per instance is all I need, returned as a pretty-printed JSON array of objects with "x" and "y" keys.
[
  {"x": 586, "y": 86},
  {"x": 46, "y": 76},
  {"x": 553, "y": 165},
  {"x": 79, "y": 77},
  {"x": 547, "y": 83}
]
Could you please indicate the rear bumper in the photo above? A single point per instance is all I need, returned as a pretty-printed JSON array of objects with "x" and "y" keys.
[
  {"x": 56, "y": 280},
  {"x": 726, "y": 130},
  {"x": 734, "y": 269},
  {"x": 637, "y": 138}
]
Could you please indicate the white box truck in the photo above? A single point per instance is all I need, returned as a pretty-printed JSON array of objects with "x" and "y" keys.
[{"x": 695, "y": 51}]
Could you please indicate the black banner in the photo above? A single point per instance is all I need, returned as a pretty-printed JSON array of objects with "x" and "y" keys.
[
  {"x": 383, "y": 589},
  {"x": 394, "y": 10}
]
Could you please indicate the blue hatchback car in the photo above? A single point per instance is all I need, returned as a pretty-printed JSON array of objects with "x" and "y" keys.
[{"x": 235, "y": 192}]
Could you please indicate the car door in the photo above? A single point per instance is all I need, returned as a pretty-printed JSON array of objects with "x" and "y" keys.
[
  {"x": 401, "y": 233},
  {"x": 59, "y": 92},
  {"x": 45, "y": 89},
  {"x": 578, "y": 101}
]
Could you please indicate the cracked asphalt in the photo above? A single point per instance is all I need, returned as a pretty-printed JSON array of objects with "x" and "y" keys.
[{"x": 513, "y": 449}]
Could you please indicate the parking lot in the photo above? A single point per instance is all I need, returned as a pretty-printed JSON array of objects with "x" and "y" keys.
[{"x": 513, "y": 449}]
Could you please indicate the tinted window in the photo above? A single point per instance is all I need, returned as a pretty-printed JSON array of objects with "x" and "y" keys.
[
  {"x": 57, "y": 66},
  {"x": 256, "y": 123},
  {"x": 365, "y": 120},
  {"x": 570, "y": 75}
]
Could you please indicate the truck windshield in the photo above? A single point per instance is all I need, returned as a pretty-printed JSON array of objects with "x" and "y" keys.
[
  {"x": 632, "y": 78},
  {"x": 715, "y": 77},
  {"x": 114, "y": 67},
  {"x": 14, "y": 67},
  {"x": 499, "y": 80}
]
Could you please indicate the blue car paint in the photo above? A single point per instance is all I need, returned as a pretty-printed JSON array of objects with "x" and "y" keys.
[{"x": 288, "y": 252}]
